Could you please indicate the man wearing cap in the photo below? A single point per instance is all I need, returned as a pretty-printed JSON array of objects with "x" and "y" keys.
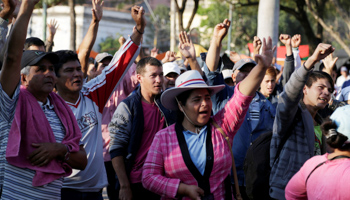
[
  {"x": 135, "y": 122},
  {"x": 102, "y": 61},
  {"x": 170, "y": 72},
  {"x": 39, "y": 141},
  {"x": 344, "y": 76},
  {"x": 260, "y": 116}
]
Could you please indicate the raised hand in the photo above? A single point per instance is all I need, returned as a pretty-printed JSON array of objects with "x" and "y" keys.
[
  {"x": 8, "y": 6},
  {"x": 53, "y": 26},
  {"x": 154, "y": 52},
  {"x": 285, "y": 39},
  {"x": 221, "y": 29},
  {"x": 296, "y": 40},
  {"x": 169, "y": 57},
  {"x": 121, "y": 40},
  {"x": 329, "y": 62},
  {"x": 186, "y": 46},
  {"x": 322, "y": 51},
  {"x": 257, "y": 45},
  {"x": 137, "y": 14},
  {"x": 234, "y": 56},
  {"x": 266, "y": 56},
  {"x": 97, "y": 10}
]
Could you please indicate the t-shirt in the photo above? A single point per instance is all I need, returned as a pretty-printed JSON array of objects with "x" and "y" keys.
[
  {"x": 318, "y": 140},
  {"x": 153, "y": 122},
  {"x": 16, "y": 183},
  {"x": 88, "y": 112}
]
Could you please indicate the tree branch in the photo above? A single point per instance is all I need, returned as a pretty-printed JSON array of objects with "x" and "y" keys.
[
  {"x": 328, "y": 28},
  {"x": 194, "y": 11},
  {"x": 342, "y": 12}
]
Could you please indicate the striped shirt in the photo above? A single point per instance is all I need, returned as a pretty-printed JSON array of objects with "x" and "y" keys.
[{"x": 16, "y": 182}]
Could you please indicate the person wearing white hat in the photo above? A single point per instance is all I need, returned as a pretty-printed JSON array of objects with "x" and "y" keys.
[
  {"x": 170, "y": 72},
  {"x": 181, "y": 161},
  {"x": 326, "y": 176},
  {"x": 344, "y": 76}
]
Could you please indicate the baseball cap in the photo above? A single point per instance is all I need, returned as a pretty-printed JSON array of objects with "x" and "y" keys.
[
  {"x": 102, "y": 56},
  {"x": 32, "y": 57},
  {"x": 227, "y": 73},
  {"x": 171, "y": 67},
  {"x": 343, "y": 69},
  {"x": 242, "y": 62},
  {"x": 341, "y": 118}
]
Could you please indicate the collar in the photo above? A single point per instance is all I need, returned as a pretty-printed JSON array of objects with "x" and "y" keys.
[{"x": 47, "y": 105}]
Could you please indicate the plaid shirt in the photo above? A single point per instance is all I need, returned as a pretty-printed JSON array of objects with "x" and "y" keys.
[{"x": 165, "y": 168}]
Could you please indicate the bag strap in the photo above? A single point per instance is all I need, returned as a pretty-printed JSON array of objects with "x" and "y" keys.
[
  {"x": 238, "y": 193},
  {"x": 319, "y": 165},
  {"x": 288, "y": 134}
]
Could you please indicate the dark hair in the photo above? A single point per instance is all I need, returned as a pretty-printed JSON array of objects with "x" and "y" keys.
[
  {"x": 64, "y": 57},
  {"x": 337, "y": 140},
  {"x": 315, "y": 75},
  {"x": 33, "y": 41},
  {"x": 91, "y": 61},
  {"x": 140, "y": 68}
]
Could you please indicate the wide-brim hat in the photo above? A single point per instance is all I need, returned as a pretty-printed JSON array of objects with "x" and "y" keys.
[{"x": 187, "y": 81}]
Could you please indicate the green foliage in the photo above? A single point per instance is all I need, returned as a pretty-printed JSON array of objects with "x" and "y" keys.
[
  {"x": 110, "y": 44},
  {"x": 160, "y": 29}
]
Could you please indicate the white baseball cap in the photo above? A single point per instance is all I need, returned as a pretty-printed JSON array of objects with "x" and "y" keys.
[{"x": 171, "y": 67}]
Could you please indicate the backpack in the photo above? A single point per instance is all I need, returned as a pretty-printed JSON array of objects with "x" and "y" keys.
[{"x": 257, "y": 163}]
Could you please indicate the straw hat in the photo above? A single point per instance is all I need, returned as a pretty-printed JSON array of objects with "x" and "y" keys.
[{"x": 187, "y": 81}]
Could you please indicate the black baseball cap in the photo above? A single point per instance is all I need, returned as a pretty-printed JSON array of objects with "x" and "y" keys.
[{"x": 32, "y": 57}]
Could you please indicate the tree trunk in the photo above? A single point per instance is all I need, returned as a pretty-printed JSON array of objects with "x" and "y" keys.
[
  {"x": 268, "y": 17},
  {"x": 71, "y": 4}
]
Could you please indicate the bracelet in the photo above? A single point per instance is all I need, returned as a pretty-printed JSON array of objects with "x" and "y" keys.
[
  {"x": 295, "y": 48},
  {"x": 138, "y": 30},
  {"x": 66, "y": 156}
]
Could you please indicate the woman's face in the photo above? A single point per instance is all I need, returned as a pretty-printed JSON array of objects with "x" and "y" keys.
[{"x": 198, "y": 107}]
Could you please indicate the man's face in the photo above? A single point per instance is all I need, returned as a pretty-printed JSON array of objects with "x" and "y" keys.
[
  {"x": 70, "y": 77},
  {"x": 37, "y": 48},
  {"x": 319, "y": 94},
  {"x": 344, "y": 73},
  {"x": 239, "y": 75},
  {"x": 91, "y": 73},
  {"x": 41, "y": 78},
  {"x": 169, "y": 80},
  {"x": 101, "y": 65},
  {"x": 267, "y": 85},
  {"x": 151, "y": 80}
]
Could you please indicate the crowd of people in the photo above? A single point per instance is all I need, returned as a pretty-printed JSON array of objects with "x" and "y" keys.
[{"x": 144, "y": 128}]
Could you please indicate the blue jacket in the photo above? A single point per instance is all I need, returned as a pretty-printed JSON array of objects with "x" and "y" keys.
[
  {"x": 126, "y": 127},
  {"x": 246, "y": 134}
]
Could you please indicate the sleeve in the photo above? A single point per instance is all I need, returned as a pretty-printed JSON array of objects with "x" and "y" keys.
[
  {"x": 3, "y": 32},
  {"x": 219, "y": 99},
  {"x": 8, "y": 104},
  {"x": 289, "y": 99},
  {"x": 120, "y": 130},
  {"x": 297, "y": 60},
  {"x": 232, "y": 116},
  {"x": 296, "y": 188},
  {"x": 100, "y": 88},
  {"x": 288, "y": 69},
  {"x": 153, "y": 178}
]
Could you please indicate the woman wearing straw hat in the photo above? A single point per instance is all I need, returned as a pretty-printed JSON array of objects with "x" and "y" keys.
[
  {"x": 191, "y": 158},
  {"x": 326, "y": 176}
]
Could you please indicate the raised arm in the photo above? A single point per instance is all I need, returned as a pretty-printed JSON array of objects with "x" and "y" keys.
[
  {"x": 137, "y": 13},
  {"x": 213, "y": 55},
  {"x": 187, "y": 49},
  {"x": 90, "y": 37},
  {"x": 252, "y": 82},
  {"x": 10, "y": 73},
  {"x": 288, "y": 68},
  {"x": 53, "y": 26},
  {"x": 296, "y": 40},
  {"x": 257, "y": 46}
]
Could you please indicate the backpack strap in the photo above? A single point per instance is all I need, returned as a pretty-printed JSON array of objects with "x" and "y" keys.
[
  {"x": 238, "y": 193},
  {"x": 288, "y": 134},
  {"x": 319, "y": 165}
]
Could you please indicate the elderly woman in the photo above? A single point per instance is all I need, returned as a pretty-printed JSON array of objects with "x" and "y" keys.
[
  {"x": 191, "y": 158},
  {"x": 326, "y": 176}
]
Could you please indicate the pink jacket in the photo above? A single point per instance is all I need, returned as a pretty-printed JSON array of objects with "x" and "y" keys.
[
  {"x": 30, "y": 125},
  {"x": 127, "y": 85},
  {"x": 165, "y": 168}
]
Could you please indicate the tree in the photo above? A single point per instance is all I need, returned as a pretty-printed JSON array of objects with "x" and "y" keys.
[
  {"x": 181, "y": 9},
  {"x": 71, "y": 4},
  {"x": 110, "y": 44},
  {"x": 161, "y": 28}
]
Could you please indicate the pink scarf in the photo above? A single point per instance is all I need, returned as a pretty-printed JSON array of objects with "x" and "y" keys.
[{"x": 30, "y": 125}]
